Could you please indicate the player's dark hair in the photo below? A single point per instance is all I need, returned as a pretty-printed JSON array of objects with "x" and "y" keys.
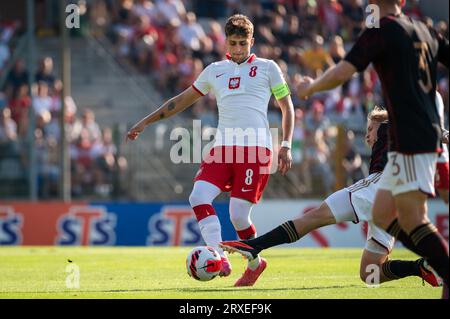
[
  {"x": 239, "y": 25},
  {"x": 378, "y": 114}
]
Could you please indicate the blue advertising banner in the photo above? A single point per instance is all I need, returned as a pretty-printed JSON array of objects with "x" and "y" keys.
[
  {"x": 104, "y": 224},
  {"x": 161, "y": 224}
]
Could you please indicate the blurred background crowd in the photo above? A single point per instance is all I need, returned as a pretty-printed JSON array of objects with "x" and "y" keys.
[{"x": 170, "y": 42}]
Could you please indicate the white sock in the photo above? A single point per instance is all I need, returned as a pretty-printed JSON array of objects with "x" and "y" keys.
[
  {"x": 212, "y": 232},
  {"x": 254, "y": 263}
]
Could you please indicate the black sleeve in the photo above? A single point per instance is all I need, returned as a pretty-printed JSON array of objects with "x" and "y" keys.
[
  {"x": 382, "y": 133},
  {"x": 366, "y": 49},
  {"x": 443, "y": 50},
  {"x": 382, "y": 140},
  {"x": 379, "y": 157}
]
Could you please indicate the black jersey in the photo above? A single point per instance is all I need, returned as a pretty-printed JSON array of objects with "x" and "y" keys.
[
  {"x": 378, "y": 158},
  {"x": 405, "y": 54}
]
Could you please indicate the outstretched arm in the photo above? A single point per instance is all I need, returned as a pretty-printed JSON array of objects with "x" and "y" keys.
[
  {"x": 173, "y": 106},
  {"x": 332, "y": 78}
]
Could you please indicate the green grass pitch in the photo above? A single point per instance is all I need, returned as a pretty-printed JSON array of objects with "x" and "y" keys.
[{"x": 149, "y": 272}]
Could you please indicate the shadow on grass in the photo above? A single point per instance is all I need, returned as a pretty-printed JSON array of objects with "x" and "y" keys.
[{"x": 193, "y": 290}]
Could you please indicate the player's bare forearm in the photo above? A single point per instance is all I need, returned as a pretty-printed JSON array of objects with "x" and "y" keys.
[
  {"x": 332, "y": 78},
  {"x": 284, "y": 155},
  {"x": 173, "y": 106},
  {"x": 287, "y": 110}
]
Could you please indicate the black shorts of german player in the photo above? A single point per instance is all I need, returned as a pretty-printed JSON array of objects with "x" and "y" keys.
[
  {"x": 354, "y": 203},
  {"x": 406, "y": 173}
]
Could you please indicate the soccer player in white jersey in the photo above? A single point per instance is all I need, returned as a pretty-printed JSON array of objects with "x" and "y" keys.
[
  {"x": 442, "y": 168},
  {"x": 351, "y": 204},
  {"x": 241, "y": 157}
]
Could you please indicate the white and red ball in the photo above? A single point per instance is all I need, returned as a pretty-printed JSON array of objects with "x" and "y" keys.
[{"x": 203, "y": 263}]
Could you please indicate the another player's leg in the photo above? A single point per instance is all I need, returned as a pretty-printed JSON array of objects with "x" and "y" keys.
[
  {"x": 201, "y": 199},
  {"x": 409, "y": 179},
  {"x": 389, "y": 270},
  {"x": 384, "y": 215},
  {"x": 377, "y": 268},
  {"x": 442, "y": 181},
  {"x": 429, "y": 243},
  {"x": 288, "y": 232}
]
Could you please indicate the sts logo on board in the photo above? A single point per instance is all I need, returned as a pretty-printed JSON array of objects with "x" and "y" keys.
[
  {"x": 87, "y": 225},
  {"x": 174, "y": 226},
  {"x": 10, "y": 226}
]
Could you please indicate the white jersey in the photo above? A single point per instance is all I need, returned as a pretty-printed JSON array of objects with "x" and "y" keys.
[
  {"x": 242, "y": 92},
  {"x": 440, "y": 108}
]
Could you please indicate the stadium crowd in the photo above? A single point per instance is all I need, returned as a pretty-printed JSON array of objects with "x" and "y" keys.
[
  {"x": 93, "y": 154},
  {"x": 171, "y": 41}
]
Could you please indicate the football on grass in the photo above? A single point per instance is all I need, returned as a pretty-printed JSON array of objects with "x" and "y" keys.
[{"x": 203, "y": 263}]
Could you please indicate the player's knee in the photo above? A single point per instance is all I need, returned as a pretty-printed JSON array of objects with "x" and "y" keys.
[
  {"x": 240, "y": 213},
  {"x": 381, "y": 220},
  {"x": 378, "y": 220},
  {"x": 196, "y": 198},
  {"x": 363, "y": 275}
]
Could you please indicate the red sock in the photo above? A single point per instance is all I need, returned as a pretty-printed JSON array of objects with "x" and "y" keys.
[
  {"x": 203, "y": 211},
  {"x": 247, "y": 233}
]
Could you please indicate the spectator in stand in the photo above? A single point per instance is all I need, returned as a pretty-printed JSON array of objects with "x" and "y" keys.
[
  {"x": 293, "y": 34},
  {"x": 4, "y": 55},
  {"x": 20, "y": 105},
  {"x": 413, "y": 9},
  {"x": 145, "y": 8},
  {"x": 277, "y": 26},
  {"x": 73, "y": 124},
  {"x": 217, "y": 36},
  {"x": 353, "y": 19},
  {"x": 317, "y": 161},
  {"x": 8, "y": 132},
  {"x": 316, "y": 59},
  {"x": 336, "y": 49},
  {"x": 191, "y": 32},
  {"x": 82, "y": 163},
  {"x": 42, "y": 102},
  {"x": 144, "y": 42},
  {"x": 106, "y": 163},
  {"x": 316, "y": 119},
  {"x": 47, "y": 164},
  {"x": 90, "y": 126},
  {"x": 330, "y": 12},
  {"x": 189, "y": 71},
  {"x": 16, "y": 77},
  {"x": 123, "y": 29},
  {"x": 45, "y": 72},
  {"x": 171, "y": 11}
]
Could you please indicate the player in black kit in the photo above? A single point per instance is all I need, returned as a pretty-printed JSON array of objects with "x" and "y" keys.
[
  {"x": 353, "y": 203},
  {"x": 405, "y": 54}
]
